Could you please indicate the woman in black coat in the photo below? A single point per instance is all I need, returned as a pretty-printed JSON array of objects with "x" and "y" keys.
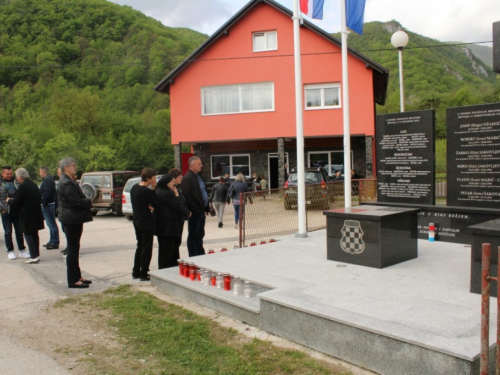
[
  {"x": 168, "y": 217},
  {"x": 73, "y": 210},
  {"x": 28, "y": 201}
]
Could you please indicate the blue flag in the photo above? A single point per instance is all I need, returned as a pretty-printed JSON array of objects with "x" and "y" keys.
[{"x": 355, "y": 12}]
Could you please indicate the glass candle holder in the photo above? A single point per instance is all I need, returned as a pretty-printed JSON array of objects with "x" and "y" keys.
[
  {"x": 192, "y": 274},
  {"x": 211, "y": 251},
  {"x": 220, "y": 281},
  {"x": 199, "y": 274},
  {"x": 237, "y": 287},
  {"x": 247, "y": 290},
  {"x": 186, "y": 269},
  {"x": 213, "y": 279}
]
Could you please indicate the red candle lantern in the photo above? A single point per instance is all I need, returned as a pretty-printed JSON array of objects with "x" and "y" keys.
[
  {"x": 253, "y": 244},
  {"x": 262, "y": 242},
  {"x": 272, "y": 240},
  {"x": 211, "y": 251},
  {"x": 227, "y": 281},
  {"x": 180, "y": 262},
  {"x": 224, "y": 249},
  {"x": 213, "y": 279}
]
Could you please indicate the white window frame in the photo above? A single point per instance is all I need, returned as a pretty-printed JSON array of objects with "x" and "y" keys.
[
  {"x": 322, "y": 87},
  {"x": 265, "y": 34},
  {"x": 231, "y": 156},
  {"x": 240, "y": 94}
]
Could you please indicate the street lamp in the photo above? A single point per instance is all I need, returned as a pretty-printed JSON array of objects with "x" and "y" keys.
[{"x": 399, "y": 40}]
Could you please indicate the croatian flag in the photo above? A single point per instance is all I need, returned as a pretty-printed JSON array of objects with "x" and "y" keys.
[
  {"x": 312, "y": 8},
  {"x": 355, "y": 11}
]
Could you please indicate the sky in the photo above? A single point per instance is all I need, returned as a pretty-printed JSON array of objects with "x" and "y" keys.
[{"x": 445, "y": 20}]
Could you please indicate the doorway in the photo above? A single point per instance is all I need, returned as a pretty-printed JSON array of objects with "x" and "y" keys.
[{"x": 273, "y": 170}]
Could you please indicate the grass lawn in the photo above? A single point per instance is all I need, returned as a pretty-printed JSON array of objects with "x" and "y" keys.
[{"x": 149, "y": 336}]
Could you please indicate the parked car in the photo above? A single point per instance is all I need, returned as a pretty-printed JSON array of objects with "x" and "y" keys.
[
  {"x": 105, "y": 189},
  {"x": 317, "y": 195},
  {"x": 126, "y": 202}
]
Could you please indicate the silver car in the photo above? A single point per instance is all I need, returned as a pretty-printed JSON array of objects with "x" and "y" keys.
[{"x": 126, "y": 202}]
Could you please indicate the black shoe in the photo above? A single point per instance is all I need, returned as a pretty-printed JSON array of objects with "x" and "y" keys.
[
  {"x": 51, "y": 246},
  {"x": 220, "y": 225},
  {"x": 145, "y": 278},
  {"x": 64, "y": 251},
  {"x": 45, "y": 244},
  {"x": 135, "y": 276},
  {"x": 79, "y": 286}
]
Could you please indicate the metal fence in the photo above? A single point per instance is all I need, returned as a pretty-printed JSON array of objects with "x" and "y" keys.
[{"x": 270, "y": 214}]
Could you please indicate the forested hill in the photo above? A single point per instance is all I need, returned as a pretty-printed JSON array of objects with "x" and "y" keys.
[
  {"x": 436, "y": 74},
  {"x": 77, "y": 77}
]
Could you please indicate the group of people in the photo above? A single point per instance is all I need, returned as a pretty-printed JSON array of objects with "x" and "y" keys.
[
  {"x": 160, "y": 208},
  {"x": 24, "y": 207}
]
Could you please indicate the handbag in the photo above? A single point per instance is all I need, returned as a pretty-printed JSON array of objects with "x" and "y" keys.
[{"x": 212, "y": 210}]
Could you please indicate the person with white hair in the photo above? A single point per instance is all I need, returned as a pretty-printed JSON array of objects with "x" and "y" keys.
[
  {"x": 74, "y": 210},
  {"x": 27, "y": 201}
]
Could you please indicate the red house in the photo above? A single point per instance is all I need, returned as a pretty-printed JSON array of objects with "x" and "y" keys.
[{"x": 232, "y": 100}]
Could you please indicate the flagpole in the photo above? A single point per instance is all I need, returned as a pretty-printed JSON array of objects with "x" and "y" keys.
[
  {"x": 301, "y": 194},
  {"x": 345, "y": 107}
]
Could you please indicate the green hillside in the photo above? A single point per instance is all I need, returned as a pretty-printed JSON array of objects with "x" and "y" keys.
[{"x": 77, "y": 79}]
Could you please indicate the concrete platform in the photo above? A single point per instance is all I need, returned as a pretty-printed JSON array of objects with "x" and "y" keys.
[{"x": 416, "y": 317}]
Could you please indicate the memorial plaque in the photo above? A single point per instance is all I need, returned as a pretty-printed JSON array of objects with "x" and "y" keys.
[
  {"x": 473, "y": 156},
  {"x": 406, "y": 157}
]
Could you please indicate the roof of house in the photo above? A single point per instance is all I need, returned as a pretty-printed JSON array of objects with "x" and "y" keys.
[{"x": 380, "y": 74}]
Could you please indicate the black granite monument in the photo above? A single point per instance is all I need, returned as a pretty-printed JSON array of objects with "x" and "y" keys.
[
  {"x": 406, "y": 157},
  {"x": 487, "y": 232},
  {"x": 372, "y": 236},
  {"x": 473, "y": 156}
]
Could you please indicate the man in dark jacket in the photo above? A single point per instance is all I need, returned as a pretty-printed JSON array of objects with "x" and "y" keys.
[
  {"x": 195, "y": 192},
  {"x": 10, "y": 216},
  {"x": 49, "y": 196},
  {"x": 27, "y": 201}
]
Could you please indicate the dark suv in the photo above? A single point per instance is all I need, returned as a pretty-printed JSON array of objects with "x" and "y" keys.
[{"x": 317, "y": 191}]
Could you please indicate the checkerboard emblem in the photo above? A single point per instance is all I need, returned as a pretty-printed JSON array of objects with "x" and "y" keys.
[{"x": 352, "y": 237}]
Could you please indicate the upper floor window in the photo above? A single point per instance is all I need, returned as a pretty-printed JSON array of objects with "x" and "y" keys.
[
  {"x": 322, "y": 96},
  {"x": 249, "y": 97},
  {"x": 265, "y": 41}
]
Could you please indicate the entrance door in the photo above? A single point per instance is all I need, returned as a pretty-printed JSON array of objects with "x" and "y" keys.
[{"x": 274, "y": 170}]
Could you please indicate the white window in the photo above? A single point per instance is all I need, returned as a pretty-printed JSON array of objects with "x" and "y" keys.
[
  {"x": 330, "y": 160},
  {"x": 322, "y": 96},
  {"x": 231, "y": 164},
  {"x": 265, "y": 41},
  {"x": 250, "y": 97}
]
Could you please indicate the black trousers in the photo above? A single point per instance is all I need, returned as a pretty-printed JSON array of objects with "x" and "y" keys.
[
  {"x": 196, "y": 232},
  {"x": 168, "y": 251},
  {"x": 143, "y": 252},
  {"x": 33, "y": 242},
  {"x": 73, "y": 234}
]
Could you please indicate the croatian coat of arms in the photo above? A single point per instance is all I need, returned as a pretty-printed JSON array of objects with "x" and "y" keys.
[{"x": 352, "y": 237}]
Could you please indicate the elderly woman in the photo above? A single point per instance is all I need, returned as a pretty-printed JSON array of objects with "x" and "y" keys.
[
  {"x": 239, "y": 186},
  {"x": 169, "y": 216},
  {"x": 74, "y": 210},
  {"x": 28, "y": 201}
]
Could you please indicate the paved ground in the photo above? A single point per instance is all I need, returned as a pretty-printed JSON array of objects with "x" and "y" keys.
[{"x": 107, "y": 249}]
